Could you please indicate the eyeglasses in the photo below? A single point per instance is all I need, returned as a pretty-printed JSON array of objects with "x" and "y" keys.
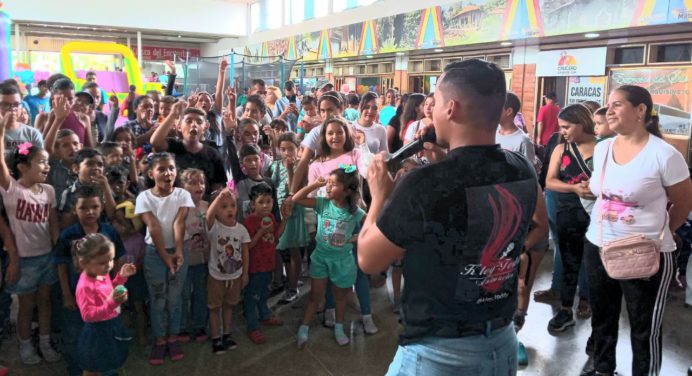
[{"x": 10, "y": 106}]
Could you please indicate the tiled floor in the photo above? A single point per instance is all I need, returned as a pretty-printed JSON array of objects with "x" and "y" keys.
[{"x": 370, "y": 355}]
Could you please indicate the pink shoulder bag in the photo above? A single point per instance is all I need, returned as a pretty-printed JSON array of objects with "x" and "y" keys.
[{"x": 629, "y": 257}]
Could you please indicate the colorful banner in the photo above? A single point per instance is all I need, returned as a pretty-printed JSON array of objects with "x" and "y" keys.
[
  {"x": 582, "y": 89},
  {"x": 572, "y": 62},
  {"x": 483, "y": 21},
  {"x": 671, "y": 90}
]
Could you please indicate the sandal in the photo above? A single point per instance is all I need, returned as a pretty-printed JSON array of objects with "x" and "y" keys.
[
  {"x": 273, "y": 321},
  {"x": 257, "y": 337},
  {"x": 546, "y": 295},
  {"x": 583, "y": 309}
]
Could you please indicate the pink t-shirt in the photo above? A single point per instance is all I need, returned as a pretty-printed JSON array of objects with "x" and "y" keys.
[
  {"x": 94, "y": 297},
  {"x": 72, "y": 123},
  {"x": 323, "y": 169},
  {"x": 28, "y": 214}
]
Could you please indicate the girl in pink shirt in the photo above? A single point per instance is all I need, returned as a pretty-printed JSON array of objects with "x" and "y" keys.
[
  {"x": 102, "y": 344},
  {"x": 30, "y": 206}
]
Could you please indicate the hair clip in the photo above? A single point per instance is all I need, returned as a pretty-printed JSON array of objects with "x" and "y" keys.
[
  {"x": 653, "y": 112},
  {"x": 348, "y": 168},
  {"x": 24, "y": 148}
]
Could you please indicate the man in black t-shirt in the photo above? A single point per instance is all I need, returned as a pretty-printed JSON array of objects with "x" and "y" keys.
[
  {"x": 190, "y": 152},
  {"x": 460, "y": 225}
]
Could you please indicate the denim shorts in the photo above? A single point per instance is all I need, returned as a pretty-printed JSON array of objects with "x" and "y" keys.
[{"x": 34, "y": 272}]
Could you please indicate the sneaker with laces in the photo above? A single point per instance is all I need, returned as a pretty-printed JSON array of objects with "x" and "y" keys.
[
  {"x": 229, "y": 343},
  {"x": 175, "y": 352},
  {"x": 329, "y": 317},
  {"x": 29, "y": 355},
  {"x": 49, "y": 354},
  {"x": 562, "y": 320},
  {"x": 289, "y": 296},
  {"x": 158, "y": 352},
  {"x": 217, "y": 346},
  {"x": 369, "y": 325}
]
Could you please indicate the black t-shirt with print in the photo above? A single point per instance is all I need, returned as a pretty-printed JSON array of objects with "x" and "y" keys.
[
  {"x": 462, "y": 222},
  {"x": 208, "y": 160}
]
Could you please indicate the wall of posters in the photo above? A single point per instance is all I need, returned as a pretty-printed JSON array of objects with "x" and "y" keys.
[{"x": 479, "y": 21}]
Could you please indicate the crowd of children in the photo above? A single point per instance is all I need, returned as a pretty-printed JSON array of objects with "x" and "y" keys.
[
  {"x": 162, "y": 225},
  {"x": 169, "y": 221}
]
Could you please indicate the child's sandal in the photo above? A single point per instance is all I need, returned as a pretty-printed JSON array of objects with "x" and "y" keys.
[
  {"x": 257, "y": 337},
  {"x": 273, "y": 321}
]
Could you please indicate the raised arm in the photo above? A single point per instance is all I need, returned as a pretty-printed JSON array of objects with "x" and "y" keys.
[
  {"x": 114, "y": 104},
  {"x": 230, "y": 121},
  {"x": 159, "y": 138},
  {"x": 5, "y": 176},
  {"x": 301, "y": 197},
  {"x": 60, "y": 112},
  {"x": 220, "y": 81}
]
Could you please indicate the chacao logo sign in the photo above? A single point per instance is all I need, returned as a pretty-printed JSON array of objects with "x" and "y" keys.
[{"x": 567, "y": 63}]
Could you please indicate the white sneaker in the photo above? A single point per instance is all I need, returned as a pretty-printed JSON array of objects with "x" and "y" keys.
[
  {"x": 369, "y": 325},
  {"x": 49, "y": 353},
  {"x": 329, "y": 317},
  {"x": 28, "y": 355}
]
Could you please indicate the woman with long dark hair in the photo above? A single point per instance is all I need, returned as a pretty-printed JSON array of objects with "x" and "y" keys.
[{"x": 636, "y": 176}]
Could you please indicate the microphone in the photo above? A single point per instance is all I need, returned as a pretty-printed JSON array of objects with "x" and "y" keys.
[{"x": 394, "y": 161}]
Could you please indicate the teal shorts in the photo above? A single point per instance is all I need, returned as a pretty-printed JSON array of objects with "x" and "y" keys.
[{"x": 340, "y": 268}]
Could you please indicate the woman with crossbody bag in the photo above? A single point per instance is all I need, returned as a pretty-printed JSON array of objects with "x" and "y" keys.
[
  {"x": 636, "y": 175},
  {"x": 567, "y": 174}
]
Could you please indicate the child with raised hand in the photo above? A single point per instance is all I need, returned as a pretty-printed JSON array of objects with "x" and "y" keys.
[
  {"x": 88, "y": 207},
  {"x": 102, "y": 344},
  {"x": 30, "y": 206},
  {"x": 163, "y": 209},
  {"x": 296, "y": 234},
  {"x": 229, "y": 267},
  {"x": 338, "y": 215},
  {"x": 195, "y": 313},
  {"x": 265, "y": 232}
]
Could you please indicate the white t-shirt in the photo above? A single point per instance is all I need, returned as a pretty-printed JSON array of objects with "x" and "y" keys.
[
  {"x": 226, "y": 258},
  {"x": 634, "y": 199},
  {"x": 518, "y": 142},
  {"x": 164, "y": 210},
  {"x": 29, "y": 215},
  {"x": 375, "y": 137},
  {"x": 412, "y": 130},
  {"x": 20, "y": 135},
  {"x": 310, "y": 139}
]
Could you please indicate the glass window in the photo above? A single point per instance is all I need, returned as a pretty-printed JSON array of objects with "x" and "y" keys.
[
  {"x": 273, "y": 12},
  {"x": 340, "y": 5},
  {"x": 254, "y": 17},
  {"x": 294, "y": 11},
  {"x": 674, "y": 52},
  {"x": 629, "y": 55}
]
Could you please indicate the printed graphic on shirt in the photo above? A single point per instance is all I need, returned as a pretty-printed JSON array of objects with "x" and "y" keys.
[
  {"x": 29, "y": 212},
  {"x": 196, "y": 227},
  {"x": 497, "y": 225},
  {"x": 618, "y": 206},
  {"x": 229, "y": 254},
  {"x": 334, "y": 232}
]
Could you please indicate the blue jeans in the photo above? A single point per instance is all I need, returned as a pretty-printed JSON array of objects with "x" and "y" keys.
[
  {"x": 165, "y": 293},
  {"x": 556, "y": 283},
  {"x": 362, "y": 290},
  {"x": 194, "y": 316},
  {"x": 479, "y": 355},
  {"x": 255, "y": 300}
]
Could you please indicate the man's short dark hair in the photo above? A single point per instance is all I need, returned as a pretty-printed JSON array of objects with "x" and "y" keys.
[
  {"x": 261, "y": 189},
  {"x": 63, "y": 84},
  {"x": 258, "y": 81},
  {"x": 85, "y": 191},
  {"x": 249, "y": 150},
  {"x": 289, "y": 85},
  {"x": 53, "y": 79},
  {"x": 8, "y": 89},
  {"x": 85, "y": 154},
  {"x": 196, "y": 111},
  {"x": 90, "y": 85},
  {"x": 168, "y": 99},
  {"x": 42, "y": 83},
  {"x": 479, "y": 86},
  {"x": 90, "y": 73},
  {"x": 513, "y": 102},
  {"x": 258, "y": 101}
]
